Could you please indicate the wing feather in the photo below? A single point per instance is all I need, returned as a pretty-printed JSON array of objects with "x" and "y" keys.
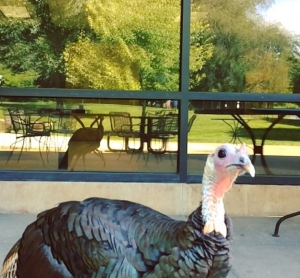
[{"x": 110, "y": 238}]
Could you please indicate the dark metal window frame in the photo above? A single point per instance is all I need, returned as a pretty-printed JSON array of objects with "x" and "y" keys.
[{"x": 184, "y": 96}]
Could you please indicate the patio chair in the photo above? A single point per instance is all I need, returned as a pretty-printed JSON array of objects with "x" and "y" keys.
[
  {"x": 161, "y": 129},
  {"x": 26, "y": 128},
  {"x": 122, "y": 126}
]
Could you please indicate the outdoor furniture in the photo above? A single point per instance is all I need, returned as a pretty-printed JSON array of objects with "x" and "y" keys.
[
  {"x": 235, "y": 127},
  {"x": 93, "y": 118},
  {"x": 122, "y": 126},
  {"x": 238, "y": 115},
  {"x": 280, "y": 220},
  {"x": 161, "y": 129},
  {"x": 25, "y": 127}
]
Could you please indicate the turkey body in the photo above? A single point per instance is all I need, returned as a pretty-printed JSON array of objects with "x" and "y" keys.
[
  {"x": 120, "y": 239},
  {"x": 111, "y": 238},
  {"x": 84, "y": 141}
]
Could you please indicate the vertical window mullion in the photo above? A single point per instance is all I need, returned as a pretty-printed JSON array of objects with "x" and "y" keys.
[{"x": 184, "y": 88}]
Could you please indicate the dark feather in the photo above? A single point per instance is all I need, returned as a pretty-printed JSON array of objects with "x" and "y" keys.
[
  {"x": 112, "y": 238},
  {"x": 149, "y": 245}
]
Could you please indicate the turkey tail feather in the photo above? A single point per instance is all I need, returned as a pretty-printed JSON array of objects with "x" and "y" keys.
[{"x": 9, "y": 266}]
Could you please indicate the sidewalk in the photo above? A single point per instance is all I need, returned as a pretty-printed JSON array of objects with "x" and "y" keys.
[{"x": 256, "y": 253}]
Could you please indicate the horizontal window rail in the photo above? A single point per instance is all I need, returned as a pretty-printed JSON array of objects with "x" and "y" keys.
[{"x": 114, "y": 94}]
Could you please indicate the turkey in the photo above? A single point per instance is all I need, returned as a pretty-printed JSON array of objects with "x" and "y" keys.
[
  {"x": 113, "y": 238},
  {"x": 84, "y": 140}
]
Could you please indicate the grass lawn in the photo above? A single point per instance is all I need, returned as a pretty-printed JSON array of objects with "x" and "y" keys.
[
  {"x": 20, "y": 80},
  {"x": 206, "y": 129}
]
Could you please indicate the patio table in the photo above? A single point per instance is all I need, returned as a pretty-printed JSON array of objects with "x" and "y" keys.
[{"x": 238, "y": 115}]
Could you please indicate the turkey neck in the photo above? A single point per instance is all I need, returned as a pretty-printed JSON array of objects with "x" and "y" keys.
[
  {"x": 213, "y": 210},
  {"x": 212, "y": 206}
]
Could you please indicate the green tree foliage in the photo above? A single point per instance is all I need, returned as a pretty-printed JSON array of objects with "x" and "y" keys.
[
  {"x": 295, "y": 68},
  {"x": 249, "y": 55},
  {"x": 102, "y": 44},
  {"x": 25, "y": 79},
  {"x": 137, "y": 47},
  {"x": 201, "y": 46},
  {"x": 100, "y": 66},
  {"x": 36, "y": 44},
  {"x": 268, "y": 61},
  {"x": 25, "y": 46},
  {"x": 68, "y": 13}
]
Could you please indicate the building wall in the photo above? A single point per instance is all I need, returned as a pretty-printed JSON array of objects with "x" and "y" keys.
[{"x": 171, "y": 199}]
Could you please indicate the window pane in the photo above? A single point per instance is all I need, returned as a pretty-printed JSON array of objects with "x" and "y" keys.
[
  {"x": 88, "y": 135},
  {"x": 117, "y": 45},
  {"x": 235, "y": 49},
  {"x": 270, "y": 130}
]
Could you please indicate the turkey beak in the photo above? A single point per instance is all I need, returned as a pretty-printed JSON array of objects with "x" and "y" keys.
[
  {"x": 249, "y": 168},
  {"x": 245, "y": 161}
]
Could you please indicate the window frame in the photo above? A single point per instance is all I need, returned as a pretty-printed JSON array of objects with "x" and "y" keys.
[{"x": 183, "y": 95}]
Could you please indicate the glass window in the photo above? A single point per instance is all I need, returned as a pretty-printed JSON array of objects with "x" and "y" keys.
[
  {"x": 270, "y": 130},
  {"x": 89, "y": 135},
  {"x": 116, "y": 45},
  {"x": 121, "y": 52},
  {"x": 235, "y": 49}
]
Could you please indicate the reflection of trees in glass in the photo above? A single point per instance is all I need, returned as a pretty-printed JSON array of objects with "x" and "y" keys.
[
  {"x": 137, "y": 46},
  {"x": 35, "y": 44},
  {"x": 295, "y": 69},
  {"x": 116, "y": 44},
  {"x": 98, "y": 44},
  {"x": 100, "y": 66},
  {"x": 201, "y": 50},
  {"x": 248, "y": 54}
]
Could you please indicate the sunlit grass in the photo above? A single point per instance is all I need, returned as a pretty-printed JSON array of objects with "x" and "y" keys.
[
  {"x": 21, "y": 80},
  {"x": 206, "y": 128}
]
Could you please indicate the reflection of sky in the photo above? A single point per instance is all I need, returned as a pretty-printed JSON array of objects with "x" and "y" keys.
[{"x": 287, "y": 13}]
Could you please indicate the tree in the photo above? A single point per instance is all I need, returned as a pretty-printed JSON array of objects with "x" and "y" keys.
[
  {"x": 295, "y": 68},
  {"x": 104, "y": 44},
  {"x": 136, "y": 49},
  {"x": 100, "y": 66},
  {"x": 37, "y": 44},
  {"x": 242, "y": 41},
  {"x": 201, "y": 46}
]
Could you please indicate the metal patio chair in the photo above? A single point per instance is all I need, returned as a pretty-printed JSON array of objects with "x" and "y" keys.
[
  {"x": 122, "y": 126},
  {"x": 26, "y": 129}
]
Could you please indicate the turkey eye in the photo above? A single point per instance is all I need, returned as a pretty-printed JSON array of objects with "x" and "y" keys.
[{"x": 222, "y": 153}]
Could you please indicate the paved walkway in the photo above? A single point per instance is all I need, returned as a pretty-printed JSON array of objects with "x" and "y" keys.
[{"x": 256, "y": 254}]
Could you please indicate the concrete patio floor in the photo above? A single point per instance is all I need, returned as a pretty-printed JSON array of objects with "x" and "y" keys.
[{"x": 256, "y": 253}]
